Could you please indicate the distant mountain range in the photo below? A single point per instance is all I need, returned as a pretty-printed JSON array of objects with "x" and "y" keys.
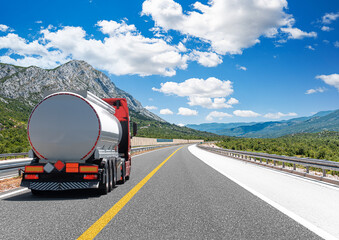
[{"x": 325, "y": 120}]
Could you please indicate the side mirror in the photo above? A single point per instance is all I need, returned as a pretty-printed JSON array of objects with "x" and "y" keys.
[{"x": 135, "y": 128}]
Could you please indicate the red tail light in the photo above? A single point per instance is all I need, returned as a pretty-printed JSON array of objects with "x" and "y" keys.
[
  {"x": 31, "y": 176},
  {"x": 90, "y": 176}
]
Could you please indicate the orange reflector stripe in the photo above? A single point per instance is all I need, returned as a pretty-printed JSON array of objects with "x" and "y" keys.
[
  {"x": 90, "y": 176},
  {"x": 31, "y": 176},
  {"x": 88, "y": 169},
  {"x": 34, "y": 169}
]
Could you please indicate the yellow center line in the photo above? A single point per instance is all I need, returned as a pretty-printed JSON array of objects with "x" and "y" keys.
[{"x": 93, "y": 230}]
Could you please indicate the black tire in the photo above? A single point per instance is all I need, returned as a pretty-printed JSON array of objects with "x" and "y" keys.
[
  {"x": 103, "y": 187},
  {"x": 110, "y": 176},
  {"x": 114, "y": 171},
  {"x": 36, "y": 192},
  {"x": 123, "y": 174},
  {"x": 127, "y": 177}
]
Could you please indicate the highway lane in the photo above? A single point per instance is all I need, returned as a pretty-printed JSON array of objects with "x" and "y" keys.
[{"x": 185, "y": 199}]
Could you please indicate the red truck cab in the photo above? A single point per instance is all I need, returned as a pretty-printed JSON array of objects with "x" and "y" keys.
[{"x": 122, "y": 114}]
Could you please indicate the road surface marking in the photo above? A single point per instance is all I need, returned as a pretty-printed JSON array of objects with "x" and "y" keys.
[
  {"x": 93, "y": 230},
  {"x": 12, "y": 193},
  {"x": 320, "y": 232}
]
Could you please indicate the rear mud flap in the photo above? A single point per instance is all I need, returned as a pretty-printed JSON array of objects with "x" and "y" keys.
[{"x": 59, "y": 186}]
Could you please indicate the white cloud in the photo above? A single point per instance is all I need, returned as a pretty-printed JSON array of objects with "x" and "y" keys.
[
  {"x": 3, "y": 28},
  {"x": 166, "y": 111},
  {"x": 181, "y": 125},
  {"x": 187, "y": 112},
  {"x": 207, "y": 59},
  {"x": 310, "y": 47},
  {"x": 332, "y": 79},
  {"x": 38, "y": 22},
  {"x": 310, "y": 91},
  {"x": 209, "y": 93},
  {"x": 123, "y": 51},
  {"x": 32, "y": 53},
  {"x": 245, "y": 113},
  {"x": 211, "y": 87},
  {"x": 233, "y": 101},
  {"x": 215, "y": 114},
  {"x": 241, "y": 68},
  {"x": 151, "y": 107},
  {"x": 296, "y": 33},
  {"x": 205, "y": 102},
  {"x": 228, "y": 26},
  {"x": 326, "y": 28},
  {"x": 336, "y": 44},
  {"x": 279, "y": 115},
  {"x": 330, "y": 17}
]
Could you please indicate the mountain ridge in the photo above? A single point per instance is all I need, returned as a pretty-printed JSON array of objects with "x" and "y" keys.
[
  {"x": 31, "y": 82},
  {"x": 323, "y": 120}
]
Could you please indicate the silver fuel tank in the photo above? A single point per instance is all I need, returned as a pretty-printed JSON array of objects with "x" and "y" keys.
[{"x": 70, "y": 126}]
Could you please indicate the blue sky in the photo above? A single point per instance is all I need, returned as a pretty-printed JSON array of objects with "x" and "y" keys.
[{"x": 205, "y": 61}]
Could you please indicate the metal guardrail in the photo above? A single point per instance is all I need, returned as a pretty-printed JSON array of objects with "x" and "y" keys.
[
  {"x": 260, "y": 157},
  {"x": 6, "y": 155}
]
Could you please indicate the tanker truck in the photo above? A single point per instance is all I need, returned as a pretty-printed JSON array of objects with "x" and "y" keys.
[{"x": 78, "y": 141}]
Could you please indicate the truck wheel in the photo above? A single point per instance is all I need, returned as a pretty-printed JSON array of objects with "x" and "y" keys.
[
  {"x": 123, "y": 174},
  {"x": 103, "y": 187},
  {"x": 127, "y": 177},
  {"x": 114, "y": 175},
  {"x": 110, "y": 176}
]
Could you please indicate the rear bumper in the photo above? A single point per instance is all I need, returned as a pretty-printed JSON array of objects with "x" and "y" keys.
[{"x": 59, "y": 186}]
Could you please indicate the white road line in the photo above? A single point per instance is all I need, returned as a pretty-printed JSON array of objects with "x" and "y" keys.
[
  {"x": 320, "y": 232},
  {"x": 14, "y": 192}
]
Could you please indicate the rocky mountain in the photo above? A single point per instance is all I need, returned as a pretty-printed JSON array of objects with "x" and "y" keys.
[
  {"x": 325, "y": 120},
  {"x": 30, "y": 83}
]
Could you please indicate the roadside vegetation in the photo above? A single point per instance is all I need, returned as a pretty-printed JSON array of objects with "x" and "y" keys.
[
  {"x": 13, "y": 126},
  {"x": 322, "y": 145}
]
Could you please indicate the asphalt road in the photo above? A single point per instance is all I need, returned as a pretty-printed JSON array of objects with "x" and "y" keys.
[{"x": 185, "y": 199}]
